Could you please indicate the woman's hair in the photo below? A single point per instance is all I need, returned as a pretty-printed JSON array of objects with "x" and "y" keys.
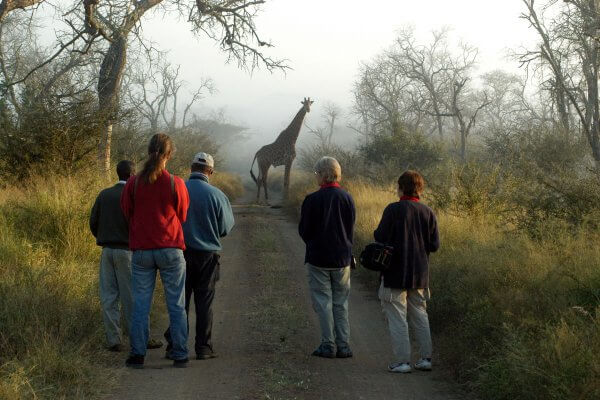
[
  {"x": 329, "y": 169},
  {"x": 159, "y": 149},
  {"x": 411, "y": 183}
]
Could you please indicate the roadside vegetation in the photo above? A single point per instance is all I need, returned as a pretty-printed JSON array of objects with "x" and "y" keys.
[{"x": 515, "y": 313}]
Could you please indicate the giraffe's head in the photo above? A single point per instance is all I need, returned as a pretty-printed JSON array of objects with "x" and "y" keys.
[{"x": 307, "y": 103}]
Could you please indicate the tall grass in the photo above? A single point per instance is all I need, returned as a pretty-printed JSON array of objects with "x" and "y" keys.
[
  {"x": 50, "y": 325},
  {"x": 513, "y": 317},
  {"x": 51, "y": 333}
]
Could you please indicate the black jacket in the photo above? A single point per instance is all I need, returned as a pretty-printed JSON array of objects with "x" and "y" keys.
[
  {"x": 326, "y": 226},
  {"x": 107, "y": 222},
  {"x": 411, "y": 228}
]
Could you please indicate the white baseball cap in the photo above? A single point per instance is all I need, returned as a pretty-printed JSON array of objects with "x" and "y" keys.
[{"x": 203, "y": 159}]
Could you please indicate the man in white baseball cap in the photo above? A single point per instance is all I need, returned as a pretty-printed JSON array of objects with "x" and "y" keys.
[
  {"x": 209, "y": 218},
  {"x": 203, "y": 159}
]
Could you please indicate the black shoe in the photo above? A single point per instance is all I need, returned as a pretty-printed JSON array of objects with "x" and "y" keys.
[
  {"x": 183, "y": 363},
  {"x": 324, "y": 351},
  {"x": 115, "y": 347},
  {"x": 154, "y": 344},
  {"x": 206, "y": 355},
  {"x": 343, "y": 352},
  {"x": 135, "y": 361}
]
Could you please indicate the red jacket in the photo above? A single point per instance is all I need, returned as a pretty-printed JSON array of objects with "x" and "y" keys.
[{"x": 155, "y": 213}]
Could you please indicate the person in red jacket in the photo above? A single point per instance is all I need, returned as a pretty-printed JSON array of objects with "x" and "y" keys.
[{"x": 155, "y": 203}]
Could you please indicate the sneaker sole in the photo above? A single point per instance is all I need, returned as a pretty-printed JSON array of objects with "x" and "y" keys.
[{"x": 423, "y": 369}]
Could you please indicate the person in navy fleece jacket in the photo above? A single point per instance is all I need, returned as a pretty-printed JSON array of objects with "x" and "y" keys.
[
  {"x": 326, "y": 226},
  {"x": 410, "y": 227}
]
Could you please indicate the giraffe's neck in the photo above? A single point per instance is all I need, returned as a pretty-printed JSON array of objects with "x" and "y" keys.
[{"x": 290, "y": 134}]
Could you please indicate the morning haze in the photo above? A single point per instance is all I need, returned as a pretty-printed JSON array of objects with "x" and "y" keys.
[
  {"x": 449, "y": 150},
  {"x": 325, "y": 41}
]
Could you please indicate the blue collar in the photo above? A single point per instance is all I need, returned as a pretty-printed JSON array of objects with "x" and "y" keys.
[{"x": 199, "y": 175}]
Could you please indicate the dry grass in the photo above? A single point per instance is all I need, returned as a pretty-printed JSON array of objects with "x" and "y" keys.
[
  {"x": 50, "y": 320},
  {"x": 230, "y": 184},
  {"x": 513, "y": 317}
]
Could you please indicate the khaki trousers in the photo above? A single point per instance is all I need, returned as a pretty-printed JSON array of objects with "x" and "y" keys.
[{"x": 404, "y": 308}]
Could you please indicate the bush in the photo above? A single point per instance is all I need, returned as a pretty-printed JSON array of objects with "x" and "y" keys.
[
  {"x": 52, "y": 137},
  {"x": 230, "y": 184},
  {"x": 349, "y": 160},
  {"x": 388, "y": 154}
]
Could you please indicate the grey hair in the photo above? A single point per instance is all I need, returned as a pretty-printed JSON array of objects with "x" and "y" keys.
[{"x": 328, "y": 168}]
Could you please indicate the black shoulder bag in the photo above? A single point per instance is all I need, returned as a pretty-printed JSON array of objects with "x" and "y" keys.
[{"x": 376, "y": 256}]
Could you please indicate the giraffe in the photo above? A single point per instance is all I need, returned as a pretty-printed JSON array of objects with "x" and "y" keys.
[{"x": 281, "y": 152}]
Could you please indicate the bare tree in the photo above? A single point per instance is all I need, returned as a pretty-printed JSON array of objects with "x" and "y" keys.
[
  {"x": 324, "y": 133},
  {"x": 428, "y": 66},
  {"x": 154, "y": 92},
  {"x": 6, "y": 6},
  {"x": 230, "y": 22},
  {"x": 570, "y": 49},
  {"x": 464, "y": 113}
]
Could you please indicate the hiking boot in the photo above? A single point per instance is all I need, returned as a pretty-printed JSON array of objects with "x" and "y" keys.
[
  {"x": 424, "y": 364},
  {"x": 402, "y": 368},
  {"x": 154, "y": 344},
  {"x": 135, "y": 361},
  {"x": 183, "y": 363},
  {"x": 115, "y": 347},
  {"x": 324, "y": 351},
  {"x": 343, "y": 352}
]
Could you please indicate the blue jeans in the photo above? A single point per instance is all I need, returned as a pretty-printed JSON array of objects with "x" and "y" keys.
[
  {"x": 329, "y": 290},
  {"x": 171, "y": 266},
  {"x": 115, "y": 285}
]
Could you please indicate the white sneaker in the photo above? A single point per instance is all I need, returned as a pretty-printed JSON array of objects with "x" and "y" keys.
[
  {"x": 424, "y": 364},
  {"x": 402, "y": 368}
]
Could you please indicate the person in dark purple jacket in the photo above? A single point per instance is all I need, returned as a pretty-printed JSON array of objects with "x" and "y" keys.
[
  {"x": 326, "y": 226},
  {"x": 410, "y": 227}
]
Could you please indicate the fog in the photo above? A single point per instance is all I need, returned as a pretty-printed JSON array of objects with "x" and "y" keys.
[{"x": 325, "y": 42}]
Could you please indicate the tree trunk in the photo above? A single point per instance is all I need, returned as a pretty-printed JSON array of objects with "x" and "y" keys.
[
  {"x": 104, "y": 148},
  {"x": 109, "y": 83}
]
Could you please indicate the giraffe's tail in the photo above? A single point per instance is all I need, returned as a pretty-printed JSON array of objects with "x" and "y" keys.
[{"x": 252, "y": 173}]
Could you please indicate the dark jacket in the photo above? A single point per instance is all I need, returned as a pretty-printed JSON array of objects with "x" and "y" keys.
[
  {"x": 326, "y": 226},
  {"x": 411, "y": 228},
  {"x": 107, "y": 222}
]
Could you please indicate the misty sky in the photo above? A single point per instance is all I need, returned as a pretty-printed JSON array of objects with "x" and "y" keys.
[{"x": 325, "y": 40}]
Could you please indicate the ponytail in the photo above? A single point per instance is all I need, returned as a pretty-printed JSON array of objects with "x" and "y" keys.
[{"x": 159, "y": 149}]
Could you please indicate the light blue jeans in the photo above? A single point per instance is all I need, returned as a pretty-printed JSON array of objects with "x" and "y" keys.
[
  {"x": 329, "y": 290},
  {"x": 115, "y": 285},
  {"x": 171, "y": 266}
]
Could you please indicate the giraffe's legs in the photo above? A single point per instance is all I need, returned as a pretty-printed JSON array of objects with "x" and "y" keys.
[
  {"x": 286, "y": 180},
  {"x": 264, "y": 171},
  {"x": 258, "y": 183}
]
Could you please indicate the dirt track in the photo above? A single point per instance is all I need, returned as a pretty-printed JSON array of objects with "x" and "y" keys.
[{"x": 271, "y": 359}]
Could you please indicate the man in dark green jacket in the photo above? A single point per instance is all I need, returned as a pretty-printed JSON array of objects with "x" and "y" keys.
[{"x": 109, "y": 226}]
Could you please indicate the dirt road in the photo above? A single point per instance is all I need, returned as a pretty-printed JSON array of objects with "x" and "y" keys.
[{"x": 265, "y": 330}]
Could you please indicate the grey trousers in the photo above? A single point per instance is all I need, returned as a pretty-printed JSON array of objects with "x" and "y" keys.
[
  {"x": 404, "y": 308},
  {"x": 329, "y": 290},
  {"x": 115, "y": 285}
]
